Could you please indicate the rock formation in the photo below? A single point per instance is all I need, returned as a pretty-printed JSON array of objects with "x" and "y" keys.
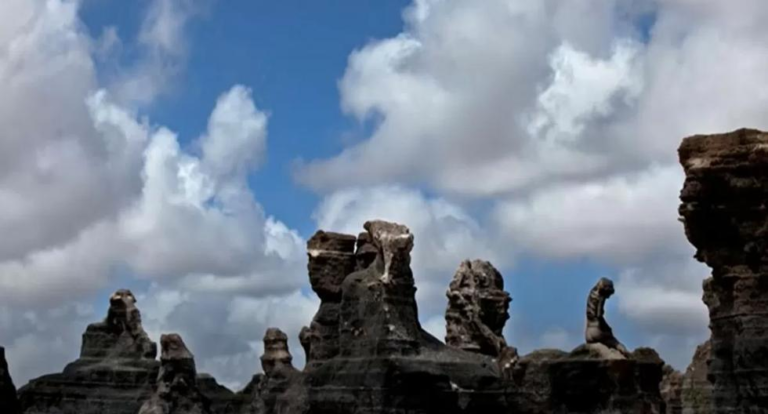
[
  {"x": 689, "y": 393},
  {"x": 280, "y": 390},
  {"x": 672, "y": 390},
  {"x": 116, "y": 370},
  {"x": 8, "y": 402},
  {"x": 477, "y": 309},
  {"x": 585, "y": 381},
  {"x": 724, "y": 211},
  {"x": 331, "y": 259},
  {"x": 177, "y": 391},
  {"x": 386, "y": 363},
  {"x": 598, "y": 331}
]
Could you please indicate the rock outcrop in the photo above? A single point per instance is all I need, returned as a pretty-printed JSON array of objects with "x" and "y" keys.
[
  {"x": 724, "y": 211},
  {"x": 691, "y": 392},
  {"x": 116, "y": 370},
  {"x": 386, "y": 362},
  {"x": 331, "y": 259},
  {"x": 590, "y": 379},
  {"x": 177, "y": 391},
  {"x": 8, "y": 401},
  {"x": 477, "y": 309}
]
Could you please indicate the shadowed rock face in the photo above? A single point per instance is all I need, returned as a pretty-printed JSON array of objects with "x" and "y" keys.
[
  {"x": 177, "y": 391},
  {"x": 723, "y": 208},
  {"x": 477, "y": 309},
  {"x": 116, "y": 371},
  {"x": 8, "y": 401}
]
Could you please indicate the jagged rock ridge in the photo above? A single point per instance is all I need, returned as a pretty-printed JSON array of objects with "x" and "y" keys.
[
  {"x": 116, "y": 370},
  {"x": 176, "y": 391},
  {"x": 723, "y": 208}
]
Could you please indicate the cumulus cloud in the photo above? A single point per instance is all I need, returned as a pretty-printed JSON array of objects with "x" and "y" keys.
[
  {"x": 444, "y": 233},
  {"x": 93, "y": 191},
  {"x": 566, "y": 117}
]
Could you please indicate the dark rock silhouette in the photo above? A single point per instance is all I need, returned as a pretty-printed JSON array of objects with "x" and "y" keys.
[
  {"x": 116, "y": 370},
  {"x": 672, "y": 390},
  {"x": 8, "y": 401},
  {"x": 724, "y": 211},
  {"x": 177, "y": 391}
]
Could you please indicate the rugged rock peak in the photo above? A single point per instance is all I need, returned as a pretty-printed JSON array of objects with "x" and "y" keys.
[
  {"x": 120, "y": 334},
  {"x": 8, "y": 402},
  {"x": 723, "y": 207},
  {"x": 276, "y": 355},
  {"x": 115, "y": 373},
  {"x": 393, "y": 243},
  {"x": 176, "y": 391},
  {"x": 598, "y": 331},
  {"x": 331, "y": 258},
  {"x": 477, "y": 309}
]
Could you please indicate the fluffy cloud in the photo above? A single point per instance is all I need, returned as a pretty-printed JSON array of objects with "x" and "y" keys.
[
  {"x": 566, "y": 117},
  {"x": 444, "y": 234},
  {"x": 92, "y": 192}
]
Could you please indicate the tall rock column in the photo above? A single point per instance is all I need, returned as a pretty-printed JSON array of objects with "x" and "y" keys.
[
  {"x": 724, "y": 201},
  {"x": 331, "y": 259}
]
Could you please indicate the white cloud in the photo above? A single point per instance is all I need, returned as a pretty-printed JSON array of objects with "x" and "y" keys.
[
  {"x": 566, "y": 116},
  {"x": 90, "y": 191},
  {"x": 620, "y": 219},
  {"x": 444, "y": 234}
]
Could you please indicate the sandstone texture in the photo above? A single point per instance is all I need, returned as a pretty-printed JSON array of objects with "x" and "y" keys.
[
  {"x": 115, "y": 373},
  {"x": 176, "y": 391},
  {"x": 8, "y": 401},
  {"x": 723, "y": 207}
]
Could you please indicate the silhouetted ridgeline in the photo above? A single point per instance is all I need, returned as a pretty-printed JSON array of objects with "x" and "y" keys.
[{"x": 367, "y": 353}]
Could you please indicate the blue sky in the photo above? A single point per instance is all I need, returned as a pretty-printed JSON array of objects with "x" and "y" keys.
[{"x": 541, "y": 136}]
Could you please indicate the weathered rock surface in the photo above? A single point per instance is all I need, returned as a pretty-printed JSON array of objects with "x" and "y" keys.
[
  {"x": 331, "y": 259},
  {"x": 723, "y": 208},
  {"x": 8, "y": 401},
  {"x": 672, "y": 390},
  {"x": 116, "y": 370},
  {"x": 280, "y": 390},
  {"x": 177, "y": 391},
  {"x": 477, "y": 309},
  {"x": 386, "y": 362},
  {"x": 585, "y": 381}
]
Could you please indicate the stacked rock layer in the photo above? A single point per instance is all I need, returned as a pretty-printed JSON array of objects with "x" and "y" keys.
[{"x": 724, "y": 201}]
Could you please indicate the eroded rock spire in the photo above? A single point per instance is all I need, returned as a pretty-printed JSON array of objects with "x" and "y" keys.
[{"x": 477, "y": 309}]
